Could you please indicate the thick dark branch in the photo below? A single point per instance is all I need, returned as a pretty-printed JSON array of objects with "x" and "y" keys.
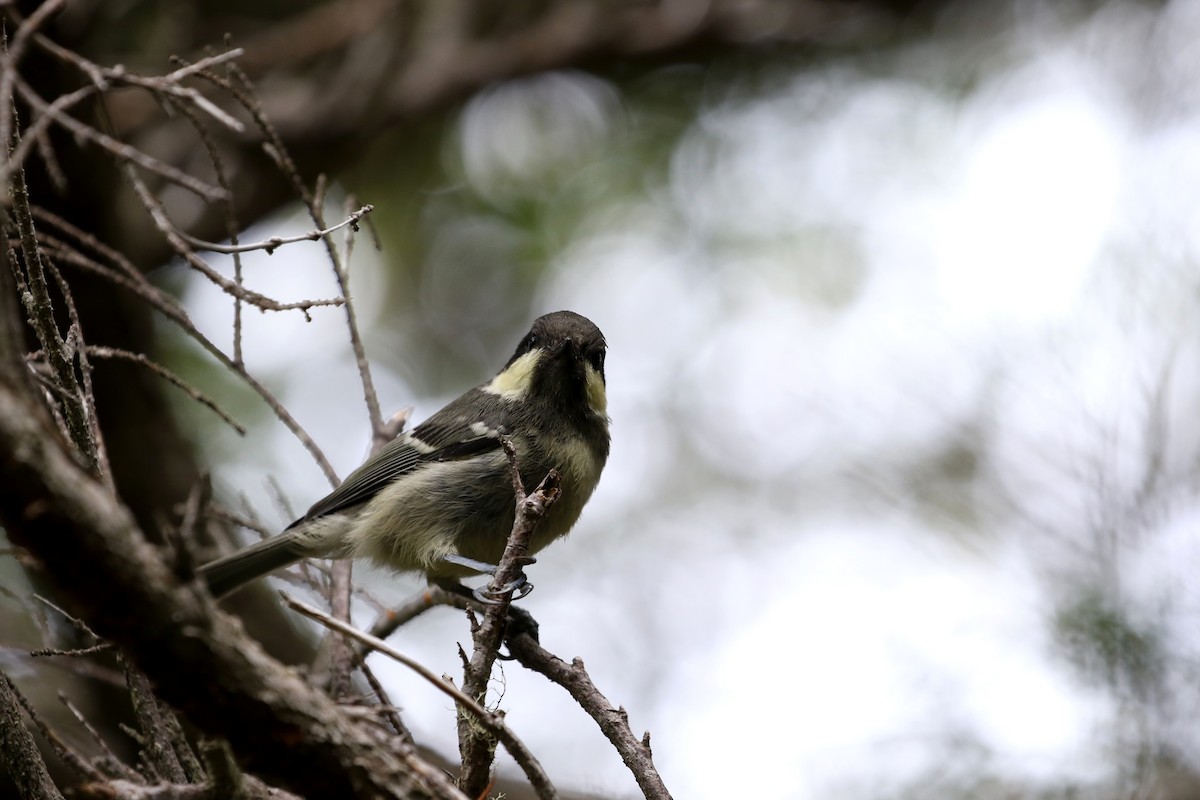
[
  {"x": 18, "y": 752},
  {"x": 128, "y": 790},
  {"x": 199, "y": 659},
  {"x": 447, "y": 52}
]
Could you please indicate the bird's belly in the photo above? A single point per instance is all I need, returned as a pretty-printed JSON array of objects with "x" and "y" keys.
[{"x": 413, "y": 524}]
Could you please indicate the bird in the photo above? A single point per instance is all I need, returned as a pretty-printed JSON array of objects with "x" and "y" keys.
[{"x": 439, "y": 499}]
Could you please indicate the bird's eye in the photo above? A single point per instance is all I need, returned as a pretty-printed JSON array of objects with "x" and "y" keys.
[
  {"x": 531, "y": 341},
  {"x": 596, "y": 359}
]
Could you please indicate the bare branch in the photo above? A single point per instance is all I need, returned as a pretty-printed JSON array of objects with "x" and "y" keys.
[
  {"x": 40, "y": 309},
  {"x": 102, "y": 562},
  {"x": 341, "y": 272},
  {"x": 136, "y": 283},
  {"x": 18, "y": 751},
  {"x": 431, "y": 597},
  {"x": 275, "y": 242},
  {"x": 613, "y": 722},
  {"x": 184, "y": 251},
  {"x": 476, "y": 750},
  {"x": 385, "y": 704},
  {"x": 12, "y": 52},
  {"x": 75, "y": 621},
  {"x": 76, "y": 653},
  {"x": 169, "y": 376},
  {"x": 341, "y": 657},
  {"x": 71, "y": 758},
  {"x": 232, "y": 228},
  {"x": 104, "y": 468},
  {"x": 110, "y": 761},
  {"x": 156, "y": 736},
  {"x": 494, "y": 723},
  {"x": 123, "y": 152}
]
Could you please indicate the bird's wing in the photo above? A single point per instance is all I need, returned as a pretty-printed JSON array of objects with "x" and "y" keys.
[{"x": 448, "y": 435}]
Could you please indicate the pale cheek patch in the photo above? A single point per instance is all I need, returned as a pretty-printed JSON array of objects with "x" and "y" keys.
[
  {"x": 596, "y": 396},
  {"x": 514, "y": 382}
]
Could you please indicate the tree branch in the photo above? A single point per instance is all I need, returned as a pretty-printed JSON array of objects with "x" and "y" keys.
[
  {"x": 18, "y": 751},
  {"x": 613, "y": 722},
  {"x": 476, "y": 748},
  {"x": 199, "y": 659},
  {"x": 490, "y": 720}
]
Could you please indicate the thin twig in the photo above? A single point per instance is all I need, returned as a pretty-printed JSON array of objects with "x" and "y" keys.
[
  {"x": 418, "y": 604},
  {"x": 494, "y": 723},
  {"x": 341, "y": 656},
  {"x": 232, "y": 228},
  {"x": 88, "y": 240},
  {"x": 41, "y": 312},
  {"x": 225, "y": 515},
  {"x": 342, "y": 273},
  {"x": 240, "y": 86},
  {"x": 101, "y": 76},
  {"x": 123, "y": 152},
  {"x": 98, "y": 351},
  {"x": 35, "y": 132},
  {"x": 73, "y": 666},
  {"x": 13, "y": 50},
  {"x": 76, "y": 621},
  {"x": 104, "y": 468},
  {"x": 613, "y": 721},
  {"x": 168, "y": 306},
  {"x": 103, "y": 647},
  {"x": 111, "y": 760},
  {"x": 54, "y": 170},
  {"x": 376, "y": 644},
  {"x": 64, "y": 751},
  {"x": 388, "y": 710},
  {"x": 184, "y": 251},
  {"x": 275, "y": 242},
  {"x": 175, "y": 238}
]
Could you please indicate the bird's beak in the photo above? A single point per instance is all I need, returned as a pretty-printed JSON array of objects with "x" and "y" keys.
[{"x": 568, "y": 348}]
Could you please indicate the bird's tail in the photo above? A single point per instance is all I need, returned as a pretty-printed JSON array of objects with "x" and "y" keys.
[{"x": 228, "y": 573}]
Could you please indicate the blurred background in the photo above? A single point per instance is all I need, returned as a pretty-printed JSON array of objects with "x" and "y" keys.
[{"x": 903, "y": 378}]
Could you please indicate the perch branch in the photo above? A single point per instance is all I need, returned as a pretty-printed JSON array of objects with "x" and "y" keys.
[
  {"x": 475, "y": 748},
  {"x": 494, "y": 723}
]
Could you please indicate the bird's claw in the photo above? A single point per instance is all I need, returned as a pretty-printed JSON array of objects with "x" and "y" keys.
[
  {"x": 520, "y": 585},
  {"x": 488, "y": 595}
]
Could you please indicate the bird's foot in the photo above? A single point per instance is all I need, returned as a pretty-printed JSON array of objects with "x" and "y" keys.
[{"x": 486, "y": 594}]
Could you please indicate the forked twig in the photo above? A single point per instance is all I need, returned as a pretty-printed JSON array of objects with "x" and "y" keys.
[
  {"x": 275, "y": 242},
  {"x": 474, "y": 748},
  {"x": 492, "y": 722}
]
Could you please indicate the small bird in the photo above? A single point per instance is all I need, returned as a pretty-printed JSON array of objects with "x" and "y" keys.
[{"x": 439, "y": 499}]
